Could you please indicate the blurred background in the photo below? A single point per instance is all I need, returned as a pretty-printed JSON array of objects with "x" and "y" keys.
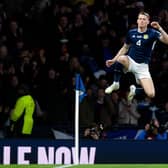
[{"x": 44, "y": 43}]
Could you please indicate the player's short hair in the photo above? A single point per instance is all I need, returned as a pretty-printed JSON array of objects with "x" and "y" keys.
[{"x": 144, "y": 13}]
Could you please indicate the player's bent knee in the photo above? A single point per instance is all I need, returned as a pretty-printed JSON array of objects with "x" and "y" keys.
[
  {"x": 122, "y": 60},
  {"x": 151, "y": 95}
]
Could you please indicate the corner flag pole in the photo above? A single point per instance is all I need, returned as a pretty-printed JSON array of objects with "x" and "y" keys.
[
  {"x": 80, "y": 93},
  {"x": 77, "y": 127}
]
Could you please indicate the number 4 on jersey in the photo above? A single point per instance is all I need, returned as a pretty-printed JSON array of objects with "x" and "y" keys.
[{"x": 138, "y": 43}]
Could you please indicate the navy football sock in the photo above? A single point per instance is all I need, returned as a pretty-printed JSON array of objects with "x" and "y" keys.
[
  {"x": 118, "y": 70},
  {"x": 139, "y": 91}
]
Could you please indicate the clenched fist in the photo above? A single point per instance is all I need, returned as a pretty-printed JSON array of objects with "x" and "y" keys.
[
  {"x": 110, "y": 62},
  {"x": 155, "y": 25}
]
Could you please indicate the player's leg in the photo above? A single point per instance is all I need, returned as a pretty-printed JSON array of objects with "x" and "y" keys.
[
  {"x": 131, "y": 93},
  {"x": 148, "y": 86},
  {"x": 143, "y": 77},
  {"x": 121, "y": 63}
]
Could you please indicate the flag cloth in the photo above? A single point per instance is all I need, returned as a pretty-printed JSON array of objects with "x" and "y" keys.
[{"x": 80, "y": 87}]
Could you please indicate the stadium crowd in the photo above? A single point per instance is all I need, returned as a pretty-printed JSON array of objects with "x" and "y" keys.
[{"x": 43, "y": 44}]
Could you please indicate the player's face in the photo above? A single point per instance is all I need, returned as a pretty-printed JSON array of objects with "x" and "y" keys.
[{"x": 142, "y": 21}]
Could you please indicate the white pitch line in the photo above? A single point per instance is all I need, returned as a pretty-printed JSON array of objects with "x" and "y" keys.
[{"x": 65, "y": 166}]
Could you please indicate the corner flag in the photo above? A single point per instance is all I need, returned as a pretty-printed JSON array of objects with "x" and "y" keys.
[
  {"x": 79, "y": 95},
  {"x": 80, "y": 87}
]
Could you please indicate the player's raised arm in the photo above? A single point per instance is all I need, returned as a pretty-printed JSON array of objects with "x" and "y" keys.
[
  {"x": 122, "y": 51},
  {"x": 164, "y": 35}
]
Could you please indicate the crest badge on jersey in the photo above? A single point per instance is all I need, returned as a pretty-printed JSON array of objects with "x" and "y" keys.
[{"x": 145, "y": 36}]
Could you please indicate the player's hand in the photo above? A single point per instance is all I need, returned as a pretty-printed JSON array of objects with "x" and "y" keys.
[
  {"x": 155, "y": 25},
  {"x": 110, "y": 62}
]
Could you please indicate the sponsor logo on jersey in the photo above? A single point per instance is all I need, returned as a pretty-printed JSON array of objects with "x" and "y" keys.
[
  {"x": 145, "y": 36},
  {"x": 139, "y": 36}
]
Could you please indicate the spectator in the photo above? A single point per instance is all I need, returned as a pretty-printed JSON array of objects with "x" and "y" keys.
[
  {"x": 88, "y": 60},
  {"x": 162, "y": 114},
  {"x": 51, "y": 95},
  {"x": 94, "y": 131},
  {"x": 115, "y": 100},
  {"x": 163, "y": 18},
  {"x": 103, "y": 109},
  {"x": 4, "y": 54},
  {"x": 128, "y": 114},
  {"x": 64, "y": 28},
  {"x": 152, "y": 131},
  {"x": 86, "y": 114},
  {"x": 22, "y": 122},
  {"x": 15, "y": 32}
]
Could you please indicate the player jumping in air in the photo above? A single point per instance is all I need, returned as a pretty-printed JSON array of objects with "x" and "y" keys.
[{"x": 135, "y": 55}]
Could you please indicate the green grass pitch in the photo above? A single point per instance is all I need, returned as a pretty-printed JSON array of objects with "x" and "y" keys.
[{"x": 90, "y": 166}]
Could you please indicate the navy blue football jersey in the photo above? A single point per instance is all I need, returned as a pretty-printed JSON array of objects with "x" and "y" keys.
[{"x": 141, "y": 44}]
